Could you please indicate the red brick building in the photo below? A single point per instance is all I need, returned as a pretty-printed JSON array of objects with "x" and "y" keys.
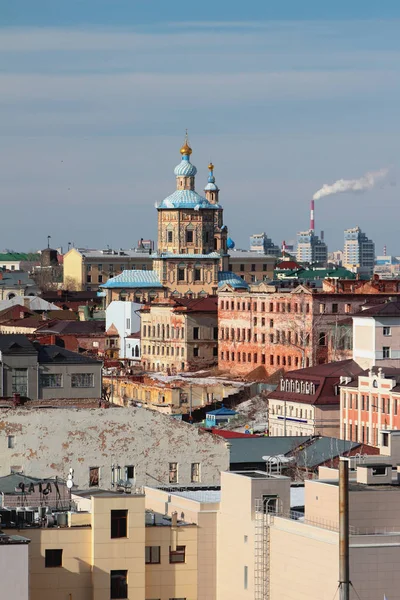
[{"x": 282, "y": 328}]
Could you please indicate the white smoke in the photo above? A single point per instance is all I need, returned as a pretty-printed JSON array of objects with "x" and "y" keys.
[{"x": 366, "y": 182}]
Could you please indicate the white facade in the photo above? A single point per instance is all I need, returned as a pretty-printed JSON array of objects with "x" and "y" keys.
[
  {"x": 14, "y": 571},
  {"x": 125, "y": 317},
  {"x": 358, "y": 252},
  {"x": 310, "y": 248},
  {"x": 376, "y": 341}
]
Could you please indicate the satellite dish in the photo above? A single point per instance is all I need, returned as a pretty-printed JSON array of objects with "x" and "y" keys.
[{"x": 70, "y": 483}]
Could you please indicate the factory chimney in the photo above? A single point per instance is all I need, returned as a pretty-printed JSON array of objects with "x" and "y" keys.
[{"x": 312, "y": 222}]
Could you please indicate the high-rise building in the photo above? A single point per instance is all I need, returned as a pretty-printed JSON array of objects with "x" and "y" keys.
[
  {"x": 310, "y": 248},
  {"x": 359, "y": 252},
  {"x": 260, "y": 242}
]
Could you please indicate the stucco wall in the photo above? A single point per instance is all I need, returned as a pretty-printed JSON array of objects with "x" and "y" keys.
[
  {"x": 51, "y": 441},
  {"x": 14, "y": 574}
]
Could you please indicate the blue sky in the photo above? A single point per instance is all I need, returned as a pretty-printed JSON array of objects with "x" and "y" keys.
[{"x": 282, "y": 97}]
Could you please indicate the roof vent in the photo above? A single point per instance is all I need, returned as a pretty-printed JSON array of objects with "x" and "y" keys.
[{"x": 374, "y": 474}]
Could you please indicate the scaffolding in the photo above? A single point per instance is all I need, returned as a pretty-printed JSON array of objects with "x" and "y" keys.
[{"x": 261, "y": 551}]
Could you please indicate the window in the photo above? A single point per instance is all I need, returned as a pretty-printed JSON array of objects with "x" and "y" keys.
[
  {"x": 241, "y": 267},
  {"x": 197, "y": 274},
  {"x": 53, "y": 380},
  {"x": 118, "y": 584},
  {"x": 347, "y": 308},
  {"x": 195, "y": 473},
  {"x": 215, "y": 333},
  {"x": 253, "y": 267},
  {"x": 178, "y": 555},
  {"x": 100, "y": 267},
  {"x": 173, "y": 472},
  {"x": 20, "y": 381},
  {"x": 130, "y": 472},
  {"x": 335, "y": 308},
  {"x": 82, "y": 380},
  {"x": 264, "y": 267},
  {"x": 322, "y": 308},
  {"x": 100, "y": 279},
  {"x": 195, "y": 333},
  {"x": 379, "y": 471},
  {"x": 387, "y": 331},
  {"x": 181, "y": 274},
  {"x": 195, "y": 352},
  {"x": 246, "y": 577},
  {"x": 170, "y": 236},
  {"x": 189, "y": 236},
  {"x": 385, "y": 440},
  {"x": 128, "y": 323},
  {"x": 385, "y": 352},
  {"x": 94, "y": 476},
  {"x": 152, "y": 554},
  {"x": 322, "y": 339},
  {"x": 88, "y": 279},
  {"x": 119, "y": 524},
  {"x": 53, "y": 558}
]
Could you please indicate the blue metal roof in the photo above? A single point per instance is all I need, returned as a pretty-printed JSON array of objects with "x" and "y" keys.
[
  {"x": 134, "y": 279},
  {"x": 231, "y": 279},
  {"x": 187, "y": 199},
  {"x": 223, "y": 411}
]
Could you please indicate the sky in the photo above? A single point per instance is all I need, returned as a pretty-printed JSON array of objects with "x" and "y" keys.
[{"x": 281, "y": 96}]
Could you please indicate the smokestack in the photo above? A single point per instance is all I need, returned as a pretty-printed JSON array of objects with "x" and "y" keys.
[
  {"x": 344, "y": 567},
  {"x": 312, "y": 222},
  {"x": 283, "y": 248},
  {"x": 384, "y": 250},
  {"x": 322, "y": 235}
]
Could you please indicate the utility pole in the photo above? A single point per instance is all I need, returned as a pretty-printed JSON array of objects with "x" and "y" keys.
[
  {"x": 190, "y": 403},
  {"x": 344, "y": 563}
]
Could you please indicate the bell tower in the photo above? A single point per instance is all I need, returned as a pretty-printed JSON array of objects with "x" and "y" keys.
[{"x": 211, "y": 189}]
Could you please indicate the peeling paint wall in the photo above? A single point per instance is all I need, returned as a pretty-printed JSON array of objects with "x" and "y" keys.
[{"x": 48, "y": 442}]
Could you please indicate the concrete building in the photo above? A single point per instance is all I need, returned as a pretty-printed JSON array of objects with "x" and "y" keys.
[
  {"x": 376, "y": 335},
  {"x": 310, "y": 249},
  {"x": 124, "y": 317},
  {"x": 358, "y": 252},
  {"x": 36, "y": 371},
  {"x": 14, "y": 569},
  {"x": 260, "y": 242},
  {"x": 179, "y": 334},
  {"x": 107, "y": 444},
  {"x": 307, "y": 401},
  {"x": 252, "y": 266},
  {"x": 86, "y": 269}
]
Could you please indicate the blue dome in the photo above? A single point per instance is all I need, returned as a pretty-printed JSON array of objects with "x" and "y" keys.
[
  {"x": 211, "y": 187},
  {"x": 230, "y": 244},
  {"x": 185, "y": 168},
  {"x": 186, "y": 199}
]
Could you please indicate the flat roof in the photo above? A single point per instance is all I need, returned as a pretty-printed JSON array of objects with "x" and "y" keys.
[{"x": 204, "y": 496}]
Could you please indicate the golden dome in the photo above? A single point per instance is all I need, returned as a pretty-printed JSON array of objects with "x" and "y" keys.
[
  {"x": 211, "y": 167},
  {"x": 186, "y": 149}
]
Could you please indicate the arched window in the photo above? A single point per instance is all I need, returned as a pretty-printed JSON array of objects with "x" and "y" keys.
[{"x": 189, "y": 235}]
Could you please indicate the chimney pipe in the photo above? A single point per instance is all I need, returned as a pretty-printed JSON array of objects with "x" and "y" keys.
[
  {"x": 322, "y": 235},
  {"x": 344, "y": 563},
  {"x": 312, "y": 222}
]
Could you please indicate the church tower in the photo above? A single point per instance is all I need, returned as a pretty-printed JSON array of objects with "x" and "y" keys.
[{"x": 191, "y": 236}]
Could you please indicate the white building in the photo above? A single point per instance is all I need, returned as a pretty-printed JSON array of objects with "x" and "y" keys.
[
  {"x": 358, "y": 252},
  {"x": 124, "y": 317},
  {"x": 14, "y": 571},
  {"x": 310, "y": 249}
]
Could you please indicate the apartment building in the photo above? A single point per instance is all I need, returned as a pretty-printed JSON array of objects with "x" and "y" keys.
[
  {"x": 179, "y": 334},
  {"x": 282, "y": 328},
  {"x": 252, "y": 266},
  {"x": 86, "y": 269},
  {"x": 307, "y": 401},
  {"x": 358, "y": 252},
  {"x": 376, "y": 334},
  {"x": 14, "y": 569},
  {"x": 310, "y": 248},
  {"x": 123, "y": 331},
  {"x": 39, "y": 371}
]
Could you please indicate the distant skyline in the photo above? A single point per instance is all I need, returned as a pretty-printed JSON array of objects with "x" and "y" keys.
[{"x": 96, "y": 97}]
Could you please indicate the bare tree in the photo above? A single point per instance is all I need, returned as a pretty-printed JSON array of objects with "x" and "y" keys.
[{"x": 48, "y": 279}]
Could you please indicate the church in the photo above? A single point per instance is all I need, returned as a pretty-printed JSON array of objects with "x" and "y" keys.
[{"x": 192, "y": 257}]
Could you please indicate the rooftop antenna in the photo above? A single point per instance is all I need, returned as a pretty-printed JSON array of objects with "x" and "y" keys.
[{"x": 70, "y": 485}]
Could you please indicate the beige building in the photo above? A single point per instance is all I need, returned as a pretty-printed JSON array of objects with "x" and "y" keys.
[
  {"x": 114, "y": 550},
  {"x": 86, "y": 269},
  {"x": 307, "y": 401},
  {"x": 179, "y": 334},
  {"x": 376, "y": 335},
  {"x": 14, "y": 568}
]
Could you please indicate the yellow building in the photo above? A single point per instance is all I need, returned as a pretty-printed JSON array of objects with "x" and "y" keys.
[{"x": 116, "y": 550}]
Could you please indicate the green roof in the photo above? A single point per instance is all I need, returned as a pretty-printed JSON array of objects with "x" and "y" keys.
[
  {"x": 310, "y": 274},
  {"x": 27, "y": 256}
]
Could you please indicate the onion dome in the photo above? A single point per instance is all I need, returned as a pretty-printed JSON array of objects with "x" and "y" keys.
[
  {"x": 211, "y": 185},
  {"x": 185, "y": 168}
]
